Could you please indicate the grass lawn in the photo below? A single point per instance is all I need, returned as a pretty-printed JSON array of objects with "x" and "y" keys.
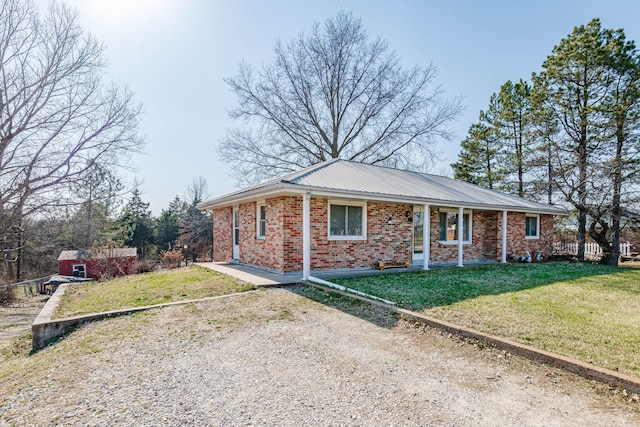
[
  {"x": 147, "y": 289},
  {"x": 586, "y": 311}
]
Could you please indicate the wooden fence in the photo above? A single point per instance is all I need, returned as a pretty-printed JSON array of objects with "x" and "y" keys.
[{"x": 590, "y": 248}]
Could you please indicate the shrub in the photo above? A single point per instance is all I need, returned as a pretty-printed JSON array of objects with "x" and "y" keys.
[
  {"x": 172, "y": 258},
  {"x": 7, "y": 294},
  {"x": 143, "y": 267}
]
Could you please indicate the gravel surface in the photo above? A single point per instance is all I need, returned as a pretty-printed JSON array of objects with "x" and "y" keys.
[
  {"x": 275, "y": 357},
  {"x": 17, "y": 317}
]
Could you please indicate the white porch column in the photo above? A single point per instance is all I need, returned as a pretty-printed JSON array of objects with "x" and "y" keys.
[
  {"x": 460, "y": 236},
  {"x": 504, "y": 237},
  {"x": 426, "y": 237},
  {"x": 306, "y": 236}
]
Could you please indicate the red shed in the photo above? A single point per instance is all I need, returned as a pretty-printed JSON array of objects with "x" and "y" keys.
[{"x": 110, "y": 262}]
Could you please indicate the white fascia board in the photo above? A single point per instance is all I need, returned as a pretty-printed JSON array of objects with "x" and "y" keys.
[{"x": 252, "y": 195}]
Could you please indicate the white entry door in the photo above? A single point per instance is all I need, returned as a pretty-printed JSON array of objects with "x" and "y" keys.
[{"x": 236, "y": 233}]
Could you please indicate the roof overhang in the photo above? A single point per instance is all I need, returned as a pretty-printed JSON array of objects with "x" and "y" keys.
[{"x": 284, "y": 188}]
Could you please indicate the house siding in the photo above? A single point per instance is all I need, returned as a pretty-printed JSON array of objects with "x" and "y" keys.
[
  {"x": 387, "y": 239},
  {"x": 222, "y": 234},
  {"x": 483, "y": 238},
  {"x": 517, "y": 242},
  {"x": 389, "y": 236}
]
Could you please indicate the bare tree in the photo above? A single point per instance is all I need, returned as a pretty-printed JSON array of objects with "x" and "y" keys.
[
  {"x": 58, "y": 118},
  {"x": 334, "y": 93},
  {"x": 197, "y": 191},
  {"x": 196, "y": 226}
]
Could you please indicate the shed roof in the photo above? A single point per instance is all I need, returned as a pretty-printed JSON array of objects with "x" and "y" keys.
[
  {"x": 347, "y": 178},
  {"x": 81, "y": 254}
]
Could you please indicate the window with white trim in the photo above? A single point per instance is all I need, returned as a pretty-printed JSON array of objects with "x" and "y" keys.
[
  {"x": 449, "y": 226},
  {"x": 347, "y": 221},
  {"x": 532, "y": 226},
  {"x": 261, "y": 220}
]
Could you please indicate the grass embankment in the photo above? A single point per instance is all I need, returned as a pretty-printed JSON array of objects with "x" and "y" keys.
[
  {"x": 586, "y": 311},
  {"x": 147, "y": 289}
]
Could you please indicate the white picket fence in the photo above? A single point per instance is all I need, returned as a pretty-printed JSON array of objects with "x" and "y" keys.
[{"x": 590, "y": 248}]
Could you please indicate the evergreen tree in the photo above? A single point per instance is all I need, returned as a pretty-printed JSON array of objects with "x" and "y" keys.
[
  {"x": 168, "y": 223},
  {"x": 512, "y": 112},
  {"x": 136, "y": 225},
  {"x": 479, "y": 161},
  {"x": 589, "y": 86}
]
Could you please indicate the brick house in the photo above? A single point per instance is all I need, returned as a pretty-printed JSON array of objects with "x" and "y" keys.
[{"x": 345, "y": 215}]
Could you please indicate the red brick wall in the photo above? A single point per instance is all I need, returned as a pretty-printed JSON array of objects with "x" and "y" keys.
[
  {"x": 386, "y": 241},
  {"x": 483, "y": 241},
  {"x": 222, "y": 234},
  {"x": 516, "y": 240},
  {"x": 281, "y": 249},
  {"x": 274, "y": 251},
  {"x": 292, "y": 233}
]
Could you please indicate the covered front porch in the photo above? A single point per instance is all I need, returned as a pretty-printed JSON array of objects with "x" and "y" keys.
[{"x": 444, "y": 223}]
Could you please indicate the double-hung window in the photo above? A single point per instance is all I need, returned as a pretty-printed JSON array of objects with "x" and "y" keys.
[
  {"x": 347, "y": 221},
  {"x": 532, "y": 226},
  {"x": 261, "y": 223},
  {"x": 449, "y": 227}
]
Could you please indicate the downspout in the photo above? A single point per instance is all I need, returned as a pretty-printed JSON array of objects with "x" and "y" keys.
[
  {"x": 349, "y": 290},
  {"x": 306, "y": 236}
]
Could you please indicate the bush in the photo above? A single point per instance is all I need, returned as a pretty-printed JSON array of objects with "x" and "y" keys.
[
  {"x": 143, "y": 267},
  {"x": 7, "y": 294},
  {"x": 172, "y": 258}
]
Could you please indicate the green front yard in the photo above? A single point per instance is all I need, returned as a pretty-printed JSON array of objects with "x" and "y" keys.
[
  {"x": 147, "y": 289},
  {"x": 586, "y": 311}
]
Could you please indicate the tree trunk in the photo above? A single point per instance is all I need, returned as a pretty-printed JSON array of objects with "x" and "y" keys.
[{"x": 616, "y": 208}]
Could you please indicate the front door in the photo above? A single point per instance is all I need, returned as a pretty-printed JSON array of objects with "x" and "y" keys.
[
  {"x": 418, "y": 224},
  {"x": 236, "y": 233}
]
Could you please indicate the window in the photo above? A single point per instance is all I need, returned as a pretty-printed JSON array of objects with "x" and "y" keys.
[
  {"x": 532, "y": 227},
  {"x": 449, "y": 227},
  {"x": 347, "y": 222},
  {"x": 79, "y": 270},
  {"x": 261, "y": 223}
]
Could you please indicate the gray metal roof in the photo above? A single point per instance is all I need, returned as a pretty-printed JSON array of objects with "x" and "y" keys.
[
  {"x": 357, "y": 179},
  {"x": 81, "y": 254}
]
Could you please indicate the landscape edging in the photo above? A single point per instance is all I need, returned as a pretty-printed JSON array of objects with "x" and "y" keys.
[{"x": 568, "y": 364}]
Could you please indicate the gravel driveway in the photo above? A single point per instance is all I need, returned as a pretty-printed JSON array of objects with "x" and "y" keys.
[{"x": 275, "y": 357}]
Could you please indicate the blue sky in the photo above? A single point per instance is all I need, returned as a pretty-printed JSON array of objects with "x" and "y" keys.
[{"x": 174, "y": 55}]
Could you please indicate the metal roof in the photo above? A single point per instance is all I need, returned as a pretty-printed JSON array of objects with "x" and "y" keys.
[
  {"x": 346, "y": 178},
  {"x": 81, "y": 254}
]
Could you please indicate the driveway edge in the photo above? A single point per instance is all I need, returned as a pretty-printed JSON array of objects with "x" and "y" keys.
[{"x": 44, "y": 328}]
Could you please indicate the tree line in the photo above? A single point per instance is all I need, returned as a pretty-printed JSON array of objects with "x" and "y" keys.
[
  {"x": 568, "y": 136},
  {"x": 107, "y": 218}
]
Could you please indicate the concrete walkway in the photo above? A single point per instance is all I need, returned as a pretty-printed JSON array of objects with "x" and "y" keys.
[{"x": 256, "y": 276}]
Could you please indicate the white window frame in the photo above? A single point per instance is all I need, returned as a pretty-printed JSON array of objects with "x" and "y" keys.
[
  {"x": 537, "y": 236},
  {"x": 260, "y": 204},
  {"x": 361, "y": 204},
  {"x": 84, "y": 269},
  {"x": 455, "y": 211}
]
